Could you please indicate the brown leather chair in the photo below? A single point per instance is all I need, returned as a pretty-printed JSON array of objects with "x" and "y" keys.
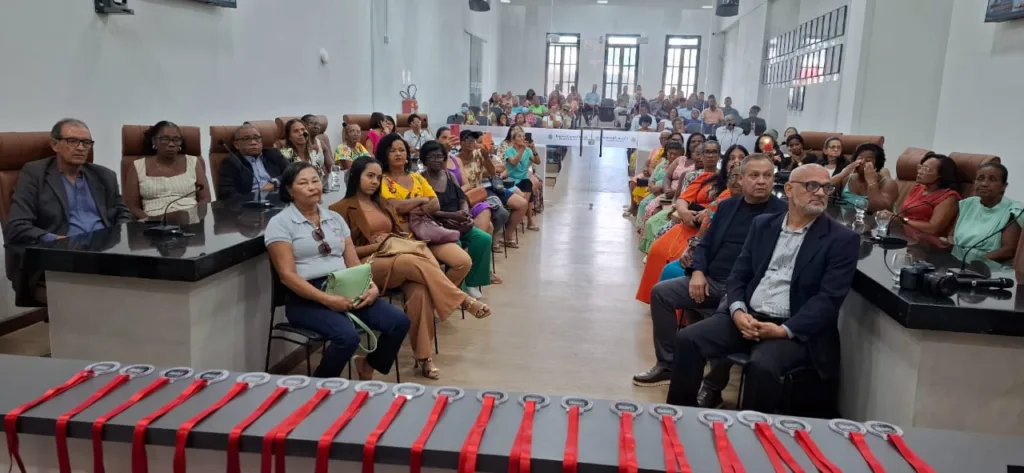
[
  {"x": 906, "y": 171},
  {"x": 16, "y": 150},
  {"x": 402, "y": 122},
  {"x": 362, "y": 120},
  {"x": 815, "y": 140},
  {"x": 850, "y": 142},
  {"x": 133, "y": 145},
  {"x": 268, "y": 130},
  {"x": 967, "y": 165}
]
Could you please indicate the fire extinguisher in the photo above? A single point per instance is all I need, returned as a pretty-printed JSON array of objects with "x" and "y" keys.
[{"x": 409, "y": 103}]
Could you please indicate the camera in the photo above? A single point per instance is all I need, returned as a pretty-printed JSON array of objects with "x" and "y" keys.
[{"x": 923, "y": 277}]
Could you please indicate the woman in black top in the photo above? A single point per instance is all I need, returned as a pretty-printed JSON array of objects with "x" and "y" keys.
[{"x": 454, "y": 213}]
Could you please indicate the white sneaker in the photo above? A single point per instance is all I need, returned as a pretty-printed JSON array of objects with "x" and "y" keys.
[{"x": 474, "y": 292}]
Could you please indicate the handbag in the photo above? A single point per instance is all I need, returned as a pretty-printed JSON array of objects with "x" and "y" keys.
[
  {"x": 427, "y": 229},
  {"x": 497, "y": 184},
  {"x": 476, "y": 195},
  {"x": 352, "y": 283},
  {"x": 461, "y": 226}
]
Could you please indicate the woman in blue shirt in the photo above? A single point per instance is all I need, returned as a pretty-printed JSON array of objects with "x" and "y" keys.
[
  {"x": 518, "y": 158},
  {"x": 306, "y": 242}
]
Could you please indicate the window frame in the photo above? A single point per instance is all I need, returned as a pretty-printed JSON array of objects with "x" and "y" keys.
[
  {"x": 636, "y": 65},
  {"x": 681, "y": 67},
  {"x": 561, "y": 65}
]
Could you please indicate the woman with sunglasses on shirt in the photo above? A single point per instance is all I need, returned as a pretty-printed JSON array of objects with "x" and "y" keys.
[{"x": 306, "y": 242}]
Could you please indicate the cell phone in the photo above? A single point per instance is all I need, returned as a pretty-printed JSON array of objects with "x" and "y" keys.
[
  {"x": 641, "y": 182},
  {"x": 529, "y": 137}
]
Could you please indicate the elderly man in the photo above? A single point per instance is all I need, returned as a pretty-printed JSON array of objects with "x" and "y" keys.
[
  {"x": 59, "y": 197},
  {"x": 591, "y": 102},
  {"x": 710, "y": 263},
  {"x": 729, "y": 134},
  {"x": 783, "y": 295},
  {"x": 256, "y": 171}
]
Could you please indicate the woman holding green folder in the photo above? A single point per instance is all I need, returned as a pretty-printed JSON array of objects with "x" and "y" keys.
[{"x": 307, "y": 242}]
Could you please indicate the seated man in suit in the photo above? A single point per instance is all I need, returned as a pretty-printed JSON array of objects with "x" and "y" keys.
[
  {"x": 61, "y": 196},
  {"x": 256, "y": 171},
  {"x": 704, "y": 288},
  {"x": 784, "y": 294}
]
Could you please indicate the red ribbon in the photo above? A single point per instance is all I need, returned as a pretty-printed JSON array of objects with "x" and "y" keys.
[
  {"x": 519, "y": 458},
  {"x": 11, "y": 419},
  {"x": 818, "y": 458},
  {"x": 570, "y": 461},
  {"x": 727, "y": 458},
  {"x": 915, "y": 461},
  {"x": 865, "y": 451},
  {"x": 234, "y": 463},
  {"x": 416, "y": 452},
  {"x": 182, "y": 435},
  {"x": 627, "y": 444},
  {"x": 323, "y": 447},
  {"x": 273, "y": 441},
  {"x": 675, "y": 456},
  {"x": 139, "y": 461},
  {"x": 777, "y": 453},
  {"x": 370, "y": 447},
  {"x": 97, "y": 425},
  {"x": 471, "y": 446},
  {"x": 61, "y": 434}
]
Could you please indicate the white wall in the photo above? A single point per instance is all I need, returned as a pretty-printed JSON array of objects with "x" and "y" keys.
[
  {"x": 429, "y": 46},
  {"x": 523, "y": 43},
  {"x": 982, "y": 90}
]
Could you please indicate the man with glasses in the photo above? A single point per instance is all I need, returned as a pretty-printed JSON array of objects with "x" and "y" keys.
[
  {"x": 256, "y": 171},
  {"x": 63, "y": 196},
  {"x": 710, "y": 262},
  {"x": 783, "y": 294}
]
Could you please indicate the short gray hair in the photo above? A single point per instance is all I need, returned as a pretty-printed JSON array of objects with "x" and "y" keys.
[
  {"x": 755, "y": 157},
  {"x": 55, "y": 132},
  {"x": 245, "y": 125}
]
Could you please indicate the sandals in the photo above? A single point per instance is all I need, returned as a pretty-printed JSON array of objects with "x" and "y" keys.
[
  {"x": 533, "y": 228},
  {"x": 495, "y": 279},
  {"x": 361, "y": 365},
  {"x": 511, "y": 244},
  {"x": 427, "y": 368},
  {"x": 477, "y": 308}
]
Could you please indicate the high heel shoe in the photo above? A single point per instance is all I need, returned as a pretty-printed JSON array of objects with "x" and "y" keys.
[
  {"x": 477, "y": 308},
  {"x": 427, "y": 368}
]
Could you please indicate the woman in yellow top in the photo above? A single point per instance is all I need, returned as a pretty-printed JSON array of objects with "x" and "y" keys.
[
  {"x": 411, "y": 194},
  {"x": 350, "y": 147},
  {"x": 637, "y": 191}
]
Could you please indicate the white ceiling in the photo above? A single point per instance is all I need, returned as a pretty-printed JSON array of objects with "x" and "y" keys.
[{"x": 681, "y": 4}]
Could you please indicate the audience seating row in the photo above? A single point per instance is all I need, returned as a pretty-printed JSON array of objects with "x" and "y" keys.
[{"x": 401, "y": 122}]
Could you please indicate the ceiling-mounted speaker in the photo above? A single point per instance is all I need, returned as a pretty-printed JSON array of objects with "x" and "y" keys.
[
  {"x": 480, "y": 5},
  {"x": 727, "y": 7}
]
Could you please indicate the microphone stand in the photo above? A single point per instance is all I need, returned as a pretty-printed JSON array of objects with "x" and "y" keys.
[
  {"x": 165, "y": 230},
  {"x": 259, "y": 203}
]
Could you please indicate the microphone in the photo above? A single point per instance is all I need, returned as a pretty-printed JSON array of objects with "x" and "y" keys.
[
  {"x": 170, "y": 230},
  {"x": 985, "y": 283},
  {"x": 259, "y": 203},
  {"x": 1013, "y": 218}
]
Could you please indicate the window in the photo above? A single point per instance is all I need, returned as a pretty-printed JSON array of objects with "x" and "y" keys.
[
  {"x": 476, "y": 61},
  {"x": 682, "y": 55},
  {"x": 621, "y": 56},
  {"x": 563, "y": 62}
]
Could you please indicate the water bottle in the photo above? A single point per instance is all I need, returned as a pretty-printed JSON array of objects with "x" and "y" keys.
[{"x": 334, "y": 180}]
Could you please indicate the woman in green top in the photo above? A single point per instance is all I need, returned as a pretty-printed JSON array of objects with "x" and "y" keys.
[
  {"x": 518, "y": 158},
  {"x": 984, "y": 224}
]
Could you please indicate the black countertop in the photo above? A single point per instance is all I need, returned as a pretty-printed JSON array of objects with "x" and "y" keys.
[
  {"x": 985, "y": 311},
  {"x": 223, "y": 234},
  {"x": 598, "y": 438}
]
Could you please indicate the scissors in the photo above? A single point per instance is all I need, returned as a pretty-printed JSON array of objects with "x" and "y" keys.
[{"x": 409, "y": 92}]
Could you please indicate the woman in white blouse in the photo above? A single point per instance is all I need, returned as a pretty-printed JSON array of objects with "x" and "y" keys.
[
  {"x": 165, "y": 176},
  {"x": 299, "y": 147}
]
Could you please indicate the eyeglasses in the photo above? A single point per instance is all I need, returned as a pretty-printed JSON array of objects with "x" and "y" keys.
[
  {"x": 711, "y": 152},
  {"x": 74, "y": 142},
  {"x": 167, "y": 139},
  {"x": 924, "y": 169},
  {"x": 835, "y": 147},
  {"x": 250, "y": 138},
  {"x": 813, "y": 187},
  {"x": 318, "y": 235},
  {"x": 733, "y": 177}
]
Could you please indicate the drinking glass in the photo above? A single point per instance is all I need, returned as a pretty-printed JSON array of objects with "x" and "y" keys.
[
  {"x": 882, "y": 220},
  {"x": 860, "y": 211},
  {"x": 900, "y": 261}
]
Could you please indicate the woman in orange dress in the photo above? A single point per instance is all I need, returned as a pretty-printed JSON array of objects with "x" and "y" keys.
[{"x": 691, "y": 211}]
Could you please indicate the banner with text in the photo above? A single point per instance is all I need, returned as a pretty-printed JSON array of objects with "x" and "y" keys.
[
  {"x": 619, "y": 139},
  {"x": 556, "y": 137}
]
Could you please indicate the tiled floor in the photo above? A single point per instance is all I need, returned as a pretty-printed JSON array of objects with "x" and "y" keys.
[{"x": 565, "y": 321}]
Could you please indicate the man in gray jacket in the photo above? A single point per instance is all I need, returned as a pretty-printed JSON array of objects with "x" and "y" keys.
[{"x": 62, "y": 196}]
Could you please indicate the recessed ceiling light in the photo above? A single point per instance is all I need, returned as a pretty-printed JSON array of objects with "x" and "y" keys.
[
  {"x": 706, "y": 7},
  {"x": 602, "y": 2}
]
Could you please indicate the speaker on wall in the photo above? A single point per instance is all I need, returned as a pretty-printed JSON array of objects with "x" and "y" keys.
[
  {"x": 727, "y": 7},
  {"x": 480, "y": 5}
]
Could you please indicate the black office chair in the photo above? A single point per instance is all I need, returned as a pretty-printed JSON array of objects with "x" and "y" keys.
[
  {"x": 816, "y": 403},
  {"x": 606, "y": 112},
  {"x": 308, "y": 339}
]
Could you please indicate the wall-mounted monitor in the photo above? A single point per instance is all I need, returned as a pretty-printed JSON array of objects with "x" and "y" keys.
[
  {"x": 1004, "y": 10},
  {"x": 221, "y": 3}
]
